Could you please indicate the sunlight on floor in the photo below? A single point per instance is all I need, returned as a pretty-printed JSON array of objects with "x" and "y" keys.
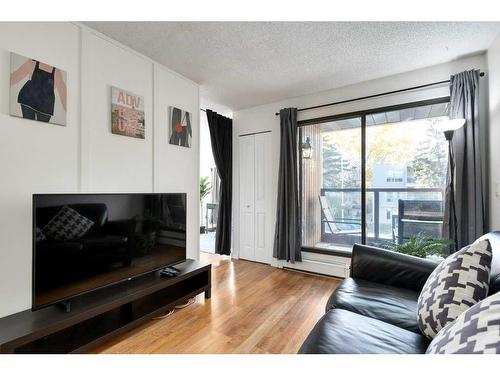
[{"x": 207, "y": 242}]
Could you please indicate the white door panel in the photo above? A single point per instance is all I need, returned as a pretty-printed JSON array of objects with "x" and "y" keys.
[
  {"x": 255, "y": 198},
  {"x": 263, "y": 247},
  {"x": 247, "y": 168},
  {"x": 261, "y": 242},
  {"x": 247, "y": 236}
]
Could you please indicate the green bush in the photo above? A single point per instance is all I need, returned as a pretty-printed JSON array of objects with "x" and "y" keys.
[
  {"x": 422, "y": 246},
  {"x": 204, "y": 187}
]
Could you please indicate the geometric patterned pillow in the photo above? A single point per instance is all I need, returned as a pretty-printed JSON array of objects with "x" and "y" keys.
[
  {"x": 476, "y": 331},
  {"x": 67, "y": 224},
  {"x": 457, "y": 283},
  {"x": 39, "y": 236}
]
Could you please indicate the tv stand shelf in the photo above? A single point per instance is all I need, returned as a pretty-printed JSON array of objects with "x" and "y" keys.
[{"x": 98, "y": 316}]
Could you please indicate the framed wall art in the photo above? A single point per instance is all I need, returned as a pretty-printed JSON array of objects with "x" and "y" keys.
[
  {"x": 180, "y": 127},
  {"x": 37, "y": 90},
  {"x": 127, "y": 113}
]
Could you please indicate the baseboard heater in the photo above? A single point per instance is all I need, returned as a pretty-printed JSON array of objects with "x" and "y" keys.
[{"x": 333, "y": 268}]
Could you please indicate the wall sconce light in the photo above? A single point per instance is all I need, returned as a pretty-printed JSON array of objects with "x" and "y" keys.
[
  {"x": 307, "y": 149},
  {"x": 449, "y": 126}
]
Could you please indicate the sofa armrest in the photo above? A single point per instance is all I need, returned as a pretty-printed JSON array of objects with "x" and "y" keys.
[{"x": 390, "y": 268}]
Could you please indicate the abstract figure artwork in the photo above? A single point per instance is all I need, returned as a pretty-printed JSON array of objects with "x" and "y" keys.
[
  {"x": 180, "y": 127},
  {"x": 37, "y": 90}
]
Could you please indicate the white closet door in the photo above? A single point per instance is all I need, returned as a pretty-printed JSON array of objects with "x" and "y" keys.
[
  {"x": 263, "y": 175},
  {"x": 247, "y": 193}
]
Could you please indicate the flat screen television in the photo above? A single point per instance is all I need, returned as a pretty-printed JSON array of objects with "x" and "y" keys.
[{"x": 84, "y": 242}]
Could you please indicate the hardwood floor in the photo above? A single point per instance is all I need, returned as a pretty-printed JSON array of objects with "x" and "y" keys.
[{"x": 255, "y": 308}]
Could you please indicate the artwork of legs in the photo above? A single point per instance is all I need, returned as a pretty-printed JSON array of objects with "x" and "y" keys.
[{"x": 31, "y": 114}]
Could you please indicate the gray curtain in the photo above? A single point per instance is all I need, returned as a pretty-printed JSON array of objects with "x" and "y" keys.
[
  {"x": 221, "y": 138},
  {"x": 287, "y": 234},
  {"x": 467, "y": 150}
]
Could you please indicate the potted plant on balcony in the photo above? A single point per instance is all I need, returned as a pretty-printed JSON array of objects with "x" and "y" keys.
[
  {"x": 204, "y": 191},
  {"x": 423, "y": 247},
  {"x": 147, "y": 228}
]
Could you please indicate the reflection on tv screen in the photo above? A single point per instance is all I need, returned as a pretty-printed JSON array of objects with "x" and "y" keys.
[{"x": 86, "y": 241}]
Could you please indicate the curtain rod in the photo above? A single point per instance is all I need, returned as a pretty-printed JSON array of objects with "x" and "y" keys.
[{"x": 375, "y": 95}]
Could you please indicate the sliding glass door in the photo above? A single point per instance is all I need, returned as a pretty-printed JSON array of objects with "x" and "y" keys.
[
  {"x": 374, "y": 177},
  {"x": 406, "y": 164}
]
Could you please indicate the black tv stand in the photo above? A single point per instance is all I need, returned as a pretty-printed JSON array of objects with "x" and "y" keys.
[
  {"x": 65, "y": 305},
  {"x": 93, "y": 318}
]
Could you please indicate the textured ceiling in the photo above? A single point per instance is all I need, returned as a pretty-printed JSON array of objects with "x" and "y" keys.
[{"x": 243, "y": 64}]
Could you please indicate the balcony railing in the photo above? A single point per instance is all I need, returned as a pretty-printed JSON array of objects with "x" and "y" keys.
[{"x": 408, "y": 210}]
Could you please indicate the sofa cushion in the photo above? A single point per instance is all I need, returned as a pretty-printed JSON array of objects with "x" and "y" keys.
[
  {"x": 494, "y": 238},
  {"x": 57, "y": 252},
  {"x": 104, "y": 242},
  {"x": 390, "y": 304},
  {"x": 460, "y": 281},
  {"x": 67, "y": 225},
  {"x": 39, "y": 236},
  {"x": 97, "y": 212},
  {"x": 344, "y": 332},
  {"x": 475, "y": 331}
]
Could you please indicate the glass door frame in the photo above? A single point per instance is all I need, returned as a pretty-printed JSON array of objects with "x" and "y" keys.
[{"x": 345, "y": 116}]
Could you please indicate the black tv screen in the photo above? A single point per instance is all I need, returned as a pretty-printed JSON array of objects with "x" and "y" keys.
[{"x": 83, "y": 242}]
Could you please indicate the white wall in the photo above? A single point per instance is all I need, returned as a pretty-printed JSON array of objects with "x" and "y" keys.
[
  {"x": 35, "y": 157},
  {"x": 263, "y": 117},
  {"x": 85, "y": 155},
  {"x": 113, "y": 162},
  {"x": 494, "y": 132},
  {"x": 177, "y": 168}
]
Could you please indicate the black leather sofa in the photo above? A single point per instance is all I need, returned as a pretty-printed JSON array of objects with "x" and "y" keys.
[
  {"x": 106, "y": 242},
  {"x": 374, "y": 310}
]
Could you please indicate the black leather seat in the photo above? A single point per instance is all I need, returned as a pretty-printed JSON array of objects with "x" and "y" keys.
[
  {"x": 387, "y": 303},
  {"x": 374, "y": 310},
  {"x": 107, "y": 241},
  {"x": 342, "y": 331}
]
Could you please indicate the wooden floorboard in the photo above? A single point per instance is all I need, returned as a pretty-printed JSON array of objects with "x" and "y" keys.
[{"x": 255, "y": 308}]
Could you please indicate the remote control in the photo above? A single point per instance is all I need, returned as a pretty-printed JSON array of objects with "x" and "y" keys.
[
  {"x": 167, "y": 273},
  {"x": 172, "y": 270}
]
